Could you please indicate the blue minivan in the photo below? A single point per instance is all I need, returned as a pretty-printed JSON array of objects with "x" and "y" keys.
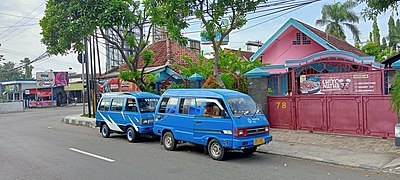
[
  {"x": 218, "y": 119},
  {"x": 129, "y": 112}
]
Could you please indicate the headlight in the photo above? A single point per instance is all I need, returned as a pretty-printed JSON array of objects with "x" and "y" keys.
[
  {"x": 145, "y": 121},
  {"x": 266, "y": 129}
]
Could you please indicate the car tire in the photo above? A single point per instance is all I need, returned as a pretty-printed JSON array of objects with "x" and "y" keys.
[
  {"x": 215, "y": 150},
  {"x": 249, "y": 150},
  {"x": 169, "y": 141},
  {"x": 131, "y": 134},
  {"x": 105, "y": 131}
]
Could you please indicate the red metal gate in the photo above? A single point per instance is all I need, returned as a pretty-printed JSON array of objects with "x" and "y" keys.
[{"x": 368, "y": 115}]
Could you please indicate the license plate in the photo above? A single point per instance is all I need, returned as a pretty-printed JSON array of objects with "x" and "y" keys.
[{"x": 259, "y": 141}]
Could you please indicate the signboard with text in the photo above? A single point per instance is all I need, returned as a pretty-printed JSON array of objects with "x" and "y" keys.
[
  {"x": 342, "y": 83},
  {"x": 51, "y": 79}
]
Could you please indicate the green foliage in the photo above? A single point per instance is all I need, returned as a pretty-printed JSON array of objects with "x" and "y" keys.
[
  {"x": 210, "y": 12},
  {"x": 384, "y": 43},
  {"x": 394, "y": 34},
  {"x": 357, "y": 45},
  {"x": 375, "y": 32},
  {"x": 9, "y": 72},
  {"x": 128, "y": 75},
  {"x": 203, "y": 67},
  {"x": 376, "y": 7},
  {"x": 27, "y": 68},
  {"x": 372, "y": 49},
  {"x": 375, "y": 50},
  {"x": 395, "y": 93},
  {"x": 174, "y": 85},
  {"x": 148, "y": 56},
  {"x": 337, "y": 15}
]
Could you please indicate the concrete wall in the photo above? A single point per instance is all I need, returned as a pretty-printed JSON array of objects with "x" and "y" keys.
[
  {"x": 11, "y": 107},
  {"x": 257, "y": 89}
]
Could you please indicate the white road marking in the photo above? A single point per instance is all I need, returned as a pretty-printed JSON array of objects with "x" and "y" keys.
[{"x": 93, "y": 155}]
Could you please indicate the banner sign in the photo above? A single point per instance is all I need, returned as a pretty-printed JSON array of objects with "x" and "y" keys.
[
  {"x": 49, "y": 79},
  {"x": 225, "y": 41},
  {"x": 342, "y": 83}
]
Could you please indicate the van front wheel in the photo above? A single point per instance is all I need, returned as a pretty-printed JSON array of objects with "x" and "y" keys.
[
  {"x": 169, "y": 141},
  {"x": 215, "y": 150},
  {"x": 131, "y": 134},
  {"x": 105, "y": 131}
]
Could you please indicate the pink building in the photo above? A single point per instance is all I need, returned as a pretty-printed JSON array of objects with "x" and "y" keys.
[{"x": 317, "y": 82}]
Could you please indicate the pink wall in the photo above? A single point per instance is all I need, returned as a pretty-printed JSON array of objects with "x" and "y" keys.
[{"x": 282, "y": 48}]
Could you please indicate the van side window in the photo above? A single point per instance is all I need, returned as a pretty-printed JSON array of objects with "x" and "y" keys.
[
  {"x": 104, "y": 104},
  {"x": 171, "y": 106},
  {"x": 187, "y": 106},
  {"x": 131, "y": 105},
  {"x": 163, "y": 105},
  {"x": 208, "y": 107},
  {"x": 116, "y": 104}
]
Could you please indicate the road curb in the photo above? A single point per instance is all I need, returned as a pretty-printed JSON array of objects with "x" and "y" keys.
[{"x": 79, "y": 121}]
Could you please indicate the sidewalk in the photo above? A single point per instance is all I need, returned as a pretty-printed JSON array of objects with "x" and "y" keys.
[{"x": 362, "y": 152}]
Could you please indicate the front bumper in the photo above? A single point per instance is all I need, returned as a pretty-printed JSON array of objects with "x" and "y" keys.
[{"x": 248, "y": 142}]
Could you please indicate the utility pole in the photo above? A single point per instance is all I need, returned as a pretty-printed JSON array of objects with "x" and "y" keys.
[{"x": 87, "y": 77}]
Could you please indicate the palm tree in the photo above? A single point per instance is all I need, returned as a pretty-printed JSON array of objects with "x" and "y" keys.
[{"x": 337, "y": 15}]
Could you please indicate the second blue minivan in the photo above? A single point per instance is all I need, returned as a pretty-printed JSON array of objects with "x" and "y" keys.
[
  {"x": 218, "y": 119},
  {"x": 130, "y": 112}
]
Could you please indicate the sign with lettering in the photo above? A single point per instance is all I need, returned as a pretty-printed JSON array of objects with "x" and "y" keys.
[{"x": 342, "y": 83}]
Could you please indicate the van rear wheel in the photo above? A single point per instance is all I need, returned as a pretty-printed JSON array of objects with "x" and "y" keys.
[
  {"x": 105, "y": 131},
  {"x": 249, "y": 150},
  {"x": 131, "y": 134},
  {"x": 215, "y": 150},
  {"x": 169, "y": 141}
]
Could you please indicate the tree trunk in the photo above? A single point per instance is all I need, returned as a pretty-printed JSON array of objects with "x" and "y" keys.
[{"x": 215, "y": 70}]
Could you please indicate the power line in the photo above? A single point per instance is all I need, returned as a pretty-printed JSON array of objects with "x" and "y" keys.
[
  {"x": 1, "y": 27},
  {"x": 15, "y": 35},
  {"x": 24, "y": 17},
  {"x": 13, "y": 15},
  {"x": 292, "y": 9}
]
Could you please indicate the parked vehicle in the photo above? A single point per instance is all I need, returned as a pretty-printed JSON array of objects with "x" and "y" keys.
[
  {"x": 130, "y": 112},
  {"x": 218, "y": 119}
]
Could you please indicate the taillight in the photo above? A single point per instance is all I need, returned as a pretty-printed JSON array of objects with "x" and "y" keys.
[
  {"x": 266, "y": 129},
  {"x": 240, "y": 132}
]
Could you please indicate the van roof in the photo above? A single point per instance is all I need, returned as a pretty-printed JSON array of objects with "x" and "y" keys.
[
  {"x": 128, "y": 94},
  {"x": 213, "y": 93}
]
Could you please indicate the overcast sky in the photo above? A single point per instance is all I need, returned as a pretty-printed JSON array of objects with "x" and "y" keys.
[{"x": 23, "y": 38}]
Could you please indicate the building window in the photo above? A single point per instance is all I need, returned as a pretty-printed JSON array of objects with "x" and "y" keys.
[
  {"x": 305, "y": 41},
  {"x": 297, "y": 41}
]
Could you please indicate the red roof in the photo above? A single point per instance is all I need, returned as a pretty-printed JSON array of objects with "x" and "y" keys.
[
  {"x": 338, "y": 43},
  {"x": 243, "y": 54},
  {"x": 161, "y": 57}
]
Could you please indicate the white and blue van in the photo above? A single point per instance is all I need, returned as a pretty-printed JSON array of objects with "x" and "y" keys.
[
  {"x": 129, "y": 112},
  {"x": 218, "y": 119}
]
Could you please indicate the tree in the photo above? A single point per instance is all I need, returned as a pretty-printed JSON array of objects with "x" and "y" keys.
[
  {"x": 210, "y": 13},
  {"x": 375, "y": 32},
  {"x": 27, "y": 68},
  {"x": 229, "y": 63},
  {"x": 9, "y": 72},
  {"x": 376, "y": 7},
  {"x": 395, "y": 94},
  {"x": 67, "y": 23},
  {"x": 337, "y": 15},
  {"x": 392, "y": 36},
  {"x": 372, "y": 49},
  {"x": 384, "y": 43}
]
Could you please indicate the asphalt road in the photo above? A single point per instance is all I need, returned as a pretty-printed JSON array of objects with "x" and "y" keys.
[{"x": 36, "y": 145}]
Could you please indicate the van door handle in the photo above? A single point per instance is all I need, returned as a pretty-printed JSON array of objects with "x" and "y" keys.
[{"x": 198, "y": 122}]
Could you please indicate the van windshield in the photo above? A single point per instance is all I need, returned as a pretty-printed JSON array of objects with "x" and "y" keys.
[
  {"x": 243, "y": 106},
  {"x": 147, "y": 105}
]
